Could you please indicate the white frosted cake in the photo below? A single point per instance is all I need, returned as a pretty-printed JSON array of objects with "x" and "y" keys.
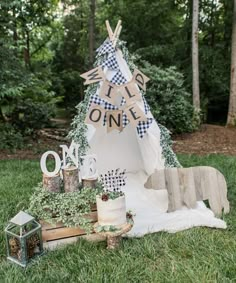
[{"x": 111, "y": 212}]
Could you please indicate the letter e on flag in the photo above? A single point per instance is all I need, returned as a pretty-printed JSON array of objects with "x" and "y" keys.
[{"x": 135, "y": 114}]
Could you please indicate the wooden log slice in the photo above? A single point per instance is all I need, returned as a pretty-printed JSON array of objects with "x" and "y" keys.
[
  {"x": 71, "y": 179},
  {"x": 52, "y": 184}
]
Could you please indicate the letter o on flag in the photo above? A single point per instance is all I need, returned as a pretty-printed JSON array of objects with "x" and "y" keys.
[{"x": 95, "y": 117}]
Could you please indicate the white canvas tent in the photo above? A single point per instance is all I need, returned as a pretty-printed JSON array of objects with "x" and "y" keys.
[{"x": 140, "y": 157}]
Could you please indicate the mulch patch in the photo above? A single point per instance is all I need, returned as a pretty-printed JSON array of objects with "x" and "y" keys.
[{"x": 208, "y": 139}]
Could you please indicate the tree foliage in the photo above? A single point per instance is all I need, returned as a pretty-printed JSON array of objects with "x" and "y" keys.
[{"x": 44, "y": 47}]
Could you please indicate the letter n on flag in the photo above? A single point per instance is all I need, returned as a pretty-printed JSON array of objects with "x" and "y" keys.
[
  {"x": 93, "y": 76},
  {"x": 114, "y": 120}
]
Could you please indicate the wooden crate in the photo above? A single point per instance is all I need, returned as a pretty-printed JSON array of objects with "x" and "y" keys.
[{"x": 62, "y": 234}]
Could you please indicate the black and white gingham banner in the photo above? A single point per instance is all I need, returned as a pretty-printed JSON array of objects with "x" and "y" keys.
[
  {"x": 143, "y": 126},
  {"x": 111, "y": 62},
  {"x": 106, "y": 47},
  {"x": 146, "y": 106},
  {"x": 118, "y": 78}
]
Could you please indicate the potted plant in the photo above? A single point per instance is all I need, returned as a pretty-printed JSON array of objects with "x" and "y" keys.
[{"x": 111, "y": 208}]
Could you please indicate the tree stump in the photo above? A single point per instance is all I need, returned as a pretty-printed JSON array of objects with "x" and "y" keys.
[
  {"x": 52, "y": 184},
  {"x": 89, "y": 183},
  {"x": 71, "y": 179}
]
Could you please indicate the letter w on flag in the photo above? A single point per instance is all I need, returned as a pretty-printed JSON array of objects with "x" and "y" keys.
[{"x": 93, "y": 76}]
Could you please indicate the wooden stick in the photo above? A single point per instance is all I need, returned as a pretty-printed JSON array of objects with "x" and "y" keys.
[
  {"x": 109, "y": 30},
  {"x": 117, "y": 37},
  {"x": 116, "y": 30}
]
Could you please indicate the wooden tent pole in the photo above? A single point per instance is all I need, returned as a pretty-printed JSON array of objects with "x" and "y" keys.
[
  {"x": 117, "y": 36},
  {"x": 109, "y": 30},
  {"x": 116, "y": 30}
]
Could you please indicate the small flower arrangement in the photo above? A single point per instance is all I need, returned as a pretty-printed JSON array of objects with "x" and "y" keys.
[
  {"x": 112, "y": 183},
  {"x": 130, "y": 217}
]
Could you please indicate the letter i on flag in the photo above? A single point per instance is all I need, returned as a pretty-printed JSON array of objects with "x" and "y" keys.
[{"x": 93, "y": 76}]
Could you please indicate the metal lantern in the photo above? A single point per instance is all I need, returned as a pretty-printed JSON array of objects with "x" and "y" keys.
[{"x": 24, "y": 239}]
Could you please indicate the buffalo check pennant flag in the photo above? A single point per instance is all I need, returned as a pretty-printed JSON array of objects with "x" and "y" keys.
[
  {"x": 118, "y": 78},
  {"x": 106, "y": 47},
  {"x": 111, "y": 62}
]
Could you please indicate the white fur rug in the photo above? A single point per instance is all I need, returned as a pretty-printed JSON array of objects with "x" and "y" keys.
[{"x": 150, "y": 207}]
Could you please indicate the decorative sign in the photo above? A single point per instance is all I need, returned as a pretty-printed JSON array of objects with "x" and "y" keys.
[
  {"x": 97, "y": 75},
  {"x": 69, "y": 155},
  {"x": 114, "y": 120},
  {"x": 93, "y": 76},
  {"x": 111, "y": 92},
  {"x": 72, "y": 152},
  {"x": 88, "y": 167},
  {"x": 43, "y": 163}
]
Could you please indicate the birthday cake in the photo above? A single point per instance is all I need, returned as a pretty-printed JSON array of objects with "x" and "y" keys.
[{"x": 112, "y": 211}]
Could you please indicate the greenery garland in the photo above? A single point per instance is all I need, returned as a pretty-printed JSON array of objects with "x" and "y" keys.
[{"x": 69, "y": 208}]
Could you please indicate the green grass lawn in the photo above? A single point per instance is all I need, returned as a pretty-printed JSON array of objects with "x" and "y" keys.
[{"x": 195, "y": 255}]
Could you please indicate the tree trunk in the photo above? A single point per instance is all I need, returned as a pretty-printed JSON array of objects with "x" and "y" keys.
[
  {"x": 27, "y": 50},
  {"x": 15, "y": 35},
  {"x": 195, "y": 64},
  {"x": 91, "y": 31},
  {"x": 231, "y": 119}
]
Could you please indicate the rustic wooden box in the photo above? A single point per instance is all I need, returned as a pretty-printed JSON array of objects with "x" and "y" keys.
[{"x": 54, "y": 235}]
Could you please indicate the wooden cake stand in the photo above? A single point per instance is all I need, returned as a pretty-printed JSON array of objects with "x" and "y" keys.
[{"x": 114, "y": 238}]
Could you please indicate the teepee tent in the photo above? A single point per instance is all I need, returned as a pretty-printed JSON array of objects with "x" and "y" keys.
[
  {"x": 137, "y": 145},
  {"x": 105, "y": 126}
]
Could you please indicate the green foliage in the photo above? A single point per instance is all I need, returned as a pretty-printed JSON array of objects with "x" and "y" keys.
[
  {"x": 13, "y": 76},
  {"x": 68, "y": 208},
  {"x": 30, "y": 115},
  {"x": 10, "y": 138},
  {"x": 79, "y": 128},
  {"x": 169, "y": 100},
  {"x": 166, "y": 145},
  {"x": 106, "y": 228}
]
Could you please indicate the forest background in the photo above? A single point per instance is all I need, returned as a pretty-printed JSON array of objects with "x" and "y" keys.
[{"x": 46, "y": 44}]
